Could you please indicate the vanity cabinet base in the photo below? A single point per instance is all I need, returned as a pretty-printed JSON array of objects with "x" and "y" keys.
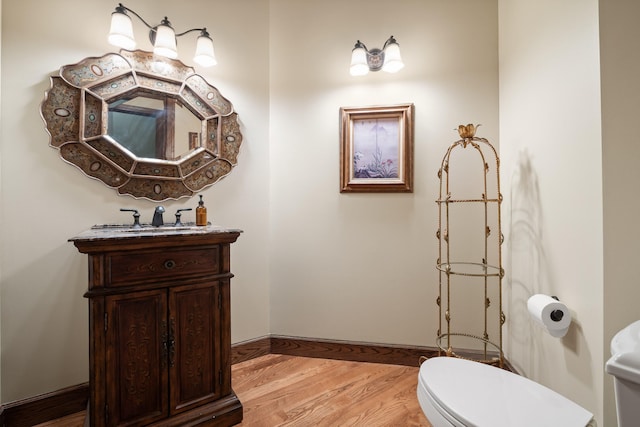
[
  {"x": 160, "y": 329},
  {"x": 221, "y": 413}
]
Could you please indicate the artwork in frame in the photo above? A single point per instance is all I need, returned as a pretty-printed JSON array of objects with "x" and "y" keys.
[{"x": 376, "y": 149}]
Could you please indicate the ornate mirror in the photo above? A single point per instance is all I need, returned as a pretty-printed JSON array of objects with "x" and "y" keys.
[{"x": 146, "y": 126}]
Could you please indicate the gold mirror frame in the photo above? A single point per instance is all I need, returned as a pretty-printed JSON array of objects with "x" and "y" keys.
[{"x": 75, "y": 112}]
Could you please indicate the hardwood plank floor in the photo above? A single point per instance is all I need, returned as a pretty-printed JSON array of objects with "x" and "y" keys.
[{"x": 280, "y": 390}]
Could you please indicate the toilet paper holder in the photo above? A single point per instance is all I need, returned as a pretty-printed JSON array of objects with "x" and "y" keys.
[
  {"x": 556, "y": 315},
  {"x": 550, "y": 313}
]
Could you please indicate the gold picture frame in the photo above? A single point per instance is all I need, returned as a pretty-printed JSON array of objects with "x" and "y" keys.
[{"x": 376, "y": 149}]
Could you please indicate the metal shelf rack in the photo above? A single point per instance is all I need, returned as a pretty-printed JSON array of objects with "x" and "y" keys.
[{"x": 470, "y": 251}]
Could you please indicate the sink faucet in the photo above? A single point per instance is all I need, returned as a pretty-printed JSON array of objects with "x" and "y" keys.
[
  {"x": 179, "y": 214},
  {"x": 157, "y": 217},
  {"x": 136, "y": 217}
]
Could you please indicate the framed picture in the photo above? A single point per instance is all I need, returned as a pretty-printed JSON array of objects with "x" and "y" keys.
[{"x": 376, "y": 149}]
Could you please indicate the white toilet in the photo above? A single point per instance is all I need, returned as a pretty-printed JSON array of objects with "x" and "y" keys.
[
  {"x": 624, "y": 365},
  {"x": 464, "y": 393}
]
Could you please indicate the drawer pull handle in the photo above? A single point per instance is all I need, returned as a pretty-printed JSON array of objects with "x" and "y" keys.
[{"x": 169, "y": 264}]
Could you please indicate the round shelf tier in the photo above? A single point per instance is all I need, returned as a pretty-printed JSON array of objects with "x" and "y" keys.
[
  {"x": 494, "y": 357},
  {"x": 476, "y": 269}
]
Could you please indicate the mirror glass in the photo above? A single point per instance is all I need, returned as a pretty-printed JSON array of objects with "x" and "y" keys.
[
  {"x": 149, "y": 127},
  {"x": 153, "y": 127}
]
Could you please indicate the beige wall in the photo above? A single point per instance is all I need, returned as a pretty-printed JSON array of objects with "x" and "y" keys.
[
  {"x": 620, "y": 67},
  {"x": 362, "y": 266},
  {"x": 551, "y": 155},
  {"x": 45, "y": 201}
]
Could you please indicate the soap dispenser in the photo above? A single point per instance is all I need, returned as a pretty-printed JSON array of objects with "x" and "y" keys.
[{"x": 201, "y": 213}]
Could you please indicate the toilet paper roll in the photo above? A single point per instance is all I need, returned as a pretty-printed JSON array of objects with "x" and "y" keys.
[{"x": 550, "y": 313}]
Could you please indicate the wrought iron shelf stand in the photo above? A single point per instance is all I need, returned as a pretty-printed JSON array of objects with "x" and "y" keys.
[{"x": 484, "y": 247}]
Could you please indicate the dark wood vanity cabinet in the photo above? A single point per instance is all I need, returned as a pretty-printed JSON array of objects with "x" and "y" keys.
[{"x": 159, "y": 328}]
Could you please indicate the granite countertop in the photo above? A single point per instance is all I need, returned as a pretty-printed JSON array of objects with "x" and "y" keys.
[{"x": 120, "y": 231}]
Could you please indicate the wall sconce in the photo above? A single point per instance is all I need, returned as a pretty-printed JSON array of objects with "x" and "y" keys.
[
  {"x": 386, "y": 59},
  {"x": 162, "y": 36}
]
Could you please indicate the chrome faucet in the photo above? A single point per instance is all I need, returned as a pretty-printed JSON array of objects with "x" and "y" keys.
[
  {"x": 157, "y": 217},
  {"x": 178, "y": 215},
  {"x": 136, "y": 217}
]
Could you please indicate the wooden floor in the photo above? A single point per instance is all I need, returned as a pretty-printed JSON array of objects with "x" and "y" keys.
[{"x": 278, "y": 390}]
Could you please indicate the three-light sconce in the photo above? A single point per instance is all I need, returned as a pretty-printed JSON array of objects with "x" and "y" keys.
[
  {"x": 162, "y": 36},
  {"x": 386, "y": 59}
]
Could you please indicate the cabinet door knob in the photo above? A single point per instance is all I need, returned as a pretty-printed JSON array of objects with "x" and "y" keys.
[{"x": 169, "y": 264}]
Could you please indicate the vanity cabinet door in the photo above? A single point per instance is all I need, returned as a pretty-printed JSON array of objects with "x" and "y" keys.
[
  {"x": 195, "y": 364},
  {"x": 136, "y": 362}
]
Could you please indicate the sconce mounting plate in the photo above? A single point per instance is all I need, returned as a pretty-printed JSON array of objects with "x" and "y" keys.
[{"x": 375, "y": 59}]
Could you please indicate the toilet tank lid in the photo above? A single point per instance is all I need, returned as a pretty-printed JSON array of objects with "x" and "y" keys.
[
  {"x": 625, "y": 366},
  {"x": 627, "y": 340},
  {"x": 480, "y": 395},
  {"x": 625, "y": 354}
]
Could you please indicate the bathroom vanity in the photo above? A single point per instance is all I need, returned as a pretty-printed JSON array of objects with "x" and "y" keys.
[{"x": 159, "y": 326}]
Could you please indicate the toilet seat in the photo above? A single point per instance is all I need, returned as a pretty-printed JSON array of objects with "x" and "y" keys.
[{"x": 463, "y": 393}]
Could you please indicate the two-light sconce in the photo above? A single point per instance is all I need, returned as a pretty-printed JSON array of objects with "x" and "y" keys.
[
  {"x": 162, "y": 36},
  {"x": 386, "y": 59}
]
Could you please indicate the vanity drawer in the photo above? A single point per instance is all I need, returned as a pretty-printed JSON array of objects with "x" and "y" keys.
[{"x": 130, "y": 268}]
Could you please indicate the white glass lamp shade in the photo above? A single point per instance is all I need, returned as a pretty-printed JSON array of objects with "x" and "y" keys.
[
  {"x": 359, "y": 66},
  {"x": 205, "y": 55},
  {"x": 121, "y": 32},
  {"x": 165, "y": 42},
  {"x": 392, "y": 59}
]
